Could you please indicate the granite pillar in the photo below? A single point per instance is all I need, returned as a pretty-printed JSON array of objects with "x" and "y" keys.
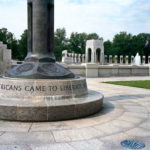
[
  {"x": 76, "y": 58},
  {"x": 148, "y": 59},
  {"x": 105, "y": 59},
  {"x": 79, "y": 58},
  {"x": 116, "y": 59},
  {"x": 83, "y": 58},
  {"x": 132, "y": 60},
  {"x": 127, "y": 60},
  {"x": 41, "y": 29},
  {"x": 121, "y": 60},
  {"x": 110, "y": 59},
  {"x": 143, "y": 60}
]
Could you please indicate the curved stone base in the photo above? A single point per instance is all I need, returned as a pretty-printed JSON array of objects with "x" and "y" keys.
[
  {"x": 40, "y": 88},
  {"x": 49, "y": 109}
]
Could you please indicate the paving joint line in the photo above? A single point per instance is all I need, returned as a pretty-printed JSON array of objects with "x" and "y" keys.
[
  {"x": 3, "y": 133},
  {"x": 124, "y": 132},
  {"x": 146, "y": 109},
  {"x": 53, "y": 136},
  {"x": 71, "y": 145},
  {"x": 109, "y": 120},
  {"x": 30, "y": 127}
]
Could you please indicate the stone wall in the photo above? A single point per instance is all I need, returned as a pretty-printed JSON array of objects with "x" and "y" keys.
[
  {"x": 5, "y": 57},
  {"x": 113, "y": 66},
  {"x": 109, "y": 71},
  {"x": 94, "y": 70}
]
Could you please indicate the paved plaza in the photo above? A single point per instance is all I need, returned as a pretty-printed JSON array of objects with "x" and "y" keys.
[{"x": 125, "y": 115}]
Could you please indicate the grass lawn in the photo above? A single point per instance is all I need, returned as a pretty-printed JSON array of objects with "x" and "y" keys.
[{"x": 140, "y": 84}]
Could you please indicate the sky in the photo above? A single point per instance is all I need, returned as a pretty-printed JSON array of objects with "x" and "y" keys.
[{"x": 104, "y": 17}]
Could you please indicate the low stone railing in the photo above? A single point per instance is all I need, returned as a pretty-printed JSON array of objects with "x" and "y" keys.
[
  {"x": 124, "y": 60},
  {"x": 74, "y": 58}
]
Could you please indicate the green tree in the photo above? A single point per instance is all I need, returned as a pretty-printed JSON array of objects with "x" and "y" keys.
[
  {"x": 108, "y": 48},
  {"x": 23, "y": 46},
  {"x": 5, "y": 36},
  {"x": 93, "y": 36},
  {"x": 77, "y": 42},
  {"x": 8, "y": 38},
  {"x": 141, "y": 44},
  {"x": 60, "y": 43},
  {"x": 122, "y": 44}
]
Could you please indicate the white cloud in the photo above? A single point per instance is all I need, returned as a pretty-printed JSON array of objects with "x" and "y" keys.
[{"x": 105, "y": 17}]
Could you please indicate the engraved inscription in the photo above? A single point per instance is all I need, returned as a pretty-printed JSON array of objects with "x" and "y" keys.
[
  {"x": 53, "y": 88},
  {"x": 10, "y": 87},
  {"x": 36, "y": 88},
  {"x": 73, "y": 87},
  {"x": 32, "y": 89}
]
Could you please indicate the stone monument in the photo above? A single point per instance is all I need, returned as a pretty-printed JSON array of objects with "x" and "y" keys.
[
  {"x": 94, "y": 45},
  {"x": 40, "y": 61},
  {"x": 40, "y": 89},
  {"x": 66, "y": 58},
  {"x": 5, "y": 57}
]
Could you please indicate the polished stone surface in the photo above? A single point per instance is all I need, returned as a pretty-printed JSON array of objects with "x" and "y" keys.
[
  {"x": 125, "y": 116},
  {"x": 47, "y": 100},
  {"x": 41, "y": 89}
]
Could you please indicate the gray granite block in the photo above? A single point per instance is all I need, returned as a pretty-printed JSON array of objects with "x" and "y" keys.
[
  {"x": 61, "y": 112},
  {"x": 51, "y": 110},
  {"x": 32, "y": 113},
  {"x": 83, "y": 110},
  {"x": 8, "y": 112}
]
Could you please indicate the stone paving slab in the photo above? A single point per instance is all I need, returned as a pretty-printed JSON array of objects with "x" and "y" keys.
[
  {"x": 7, "y": 126},
  {"x": 125, "y": 115},
  {"x": 56, "y": 146},
  {"x": 93, "y": 144},
  {"x": 24, "y": 138},
  {"x": 14, "y": 147}
]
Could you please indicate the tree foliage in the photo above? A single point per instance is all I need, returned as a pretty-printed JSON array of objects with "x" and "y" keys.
[
  {"x": 8, "y": 38},
  {"x": 60, "y": 42},
  {"x": 108, "y": 48},
  {"x": 78, "y": 41},
  {"x": 122, "y": 44},
  {"x": 22, "y": 46},
  {"x": 128, "y": 44}
]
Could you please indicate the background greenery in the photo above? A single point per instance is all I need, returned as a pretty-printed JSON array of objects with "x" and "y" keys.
[
  {"x": 140, "y": 84},
  {"x": 123, "y": 43}
]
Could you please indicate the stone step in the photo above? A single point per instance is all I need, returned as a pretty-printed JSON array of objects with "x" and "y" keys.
[{"x": 33, "y": 109}]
